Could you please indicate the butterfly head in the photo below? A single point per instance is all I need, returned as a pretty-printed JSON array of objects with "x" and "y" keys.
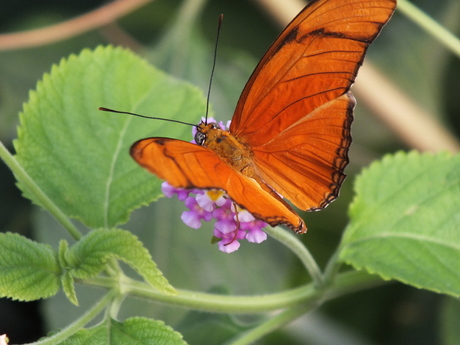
[{"x": 203, "y": 130}]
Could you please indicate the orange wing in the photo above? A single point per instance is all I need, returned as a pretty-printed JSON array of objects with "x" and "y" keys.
[
  {"x": 293, "y": 116},
  {"x": 305, "y": 162},
  {"x": 186, "y": 165},
  {"x": 295, "y": 112},
  {"x": 314, "y": 60}
]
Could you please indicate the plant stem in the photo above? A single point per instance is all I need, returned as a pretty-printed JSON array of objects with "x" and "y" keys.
[
  {"x": 272, "y": 324},
  {"x": 332, "y": 267},
  {"x": 343, "y": 284},
  {"x": 39, "y": 196},
  {"x": 296, "y": 246},
  {"x": 432, "y": 27},
  {"x": 75, "y": 326}
]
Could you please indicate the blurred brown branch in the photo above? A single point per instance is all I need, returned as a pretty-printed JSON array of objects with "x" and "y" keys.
[
  {"x": 409, "y": 121},
  {"x": 70, "y": 28}
]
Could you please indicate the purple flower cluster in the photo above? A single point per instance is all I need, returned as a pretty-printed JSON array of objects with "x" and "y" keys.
[{"x": 232, "y": 223}]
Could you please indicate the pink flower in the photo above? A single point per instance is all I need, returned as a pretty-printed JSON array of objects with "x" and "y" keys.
[
  {"x": 169, "y": 191},
  {"x": 228, "y": 242},
  {"x": 193, "y": 217},
  {"x": 254, "y": 234},
  {"x": 232, "y": 223},
  {"x": 225, "y": 218},
  {"x": 211, "y": 198}
]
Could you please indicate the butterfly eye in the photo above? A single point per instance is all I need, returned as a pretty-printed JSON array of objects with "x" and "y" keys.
[
  {"x": 200, "y": 138},
  {"x": 215, "y": 126}
]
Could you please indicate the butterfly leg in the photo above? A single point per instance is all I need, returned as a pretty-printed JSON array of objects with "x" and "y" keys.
[{"x": 237, "y": 225}]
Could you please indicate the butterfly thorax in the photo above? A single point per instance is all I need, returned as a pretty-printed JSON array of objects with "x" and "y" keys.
[{"x": 226, "y": 146}]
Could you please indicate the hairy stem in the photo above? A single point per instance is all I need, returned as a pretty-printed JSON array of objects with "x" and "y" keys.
[
  {"x": 299, "y": 249},
  {"x": 344, "y": 283}
]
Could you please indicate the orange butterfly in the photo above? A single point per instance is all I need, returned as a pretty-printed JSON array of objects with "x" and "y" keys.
[{"x": 290, "y": 132}]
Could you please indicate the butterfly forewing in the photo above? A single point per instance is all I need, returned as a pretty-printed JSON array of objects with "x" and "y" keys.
[
  {"x": 295, "y": 112},
  {"x": 314, "y": 60},
  {"x": 307, "y": 168}
]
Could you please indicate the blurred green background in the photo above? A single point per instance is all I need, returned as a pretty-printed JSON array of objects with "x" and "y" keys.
[{"x": 415, "y": 62}]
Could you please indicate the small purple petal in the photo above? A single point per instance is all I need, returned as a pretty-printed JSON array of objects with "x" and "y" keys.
[
  {"x": 223, "y": 212},
  {"x": 217, "y": 196},
  {"x": 244, "y": 216},
  {"x": 225, "y": 219},
  {"x": 227, "y": 238},
  {"x": 169, "y": 191},
  {"x": 191, "y": 219},
  {"x": 255, "y": 224},
  {"x": 207, "y": 216},
  {"x": 222, "y": 125},
  {"x": 255, "y": 233},
  {"x": 229, "y": 248},
  {"x": 182, "y": 194},
  {"x": 205, "y": 202},
  {"x": 229, "y": 242},
  {"x": 256, "y": 236},
  {"x": 225, "y": 226},
  {"x": 191, "y": 203},
  {"x": 228, "y": 205},
  {"x": 221, "y": 201}
]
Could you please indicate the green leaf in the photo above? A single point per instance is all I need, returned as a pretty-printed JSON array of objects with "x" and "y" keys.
[
  {"x": 88, "y": 257},
  {"x": 79, "y": 156},
  {"x": 405, "y": 221},
  {"x": 28, "y": 270},
  {"x": 68, "y": 287},
  {"x": 133, "y": 331}
]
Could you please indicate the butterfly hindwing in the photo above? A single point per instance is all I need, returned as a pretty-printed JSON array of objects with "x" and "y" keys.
[
  {"x": 186, "y": 165},
  {"x": 308, "y": 169}
]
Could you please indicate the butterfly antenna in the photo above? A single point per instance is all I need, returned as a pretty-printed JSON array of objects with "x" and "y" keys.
[
  {"x": 146, "y": 117},
  {"x": 219, "y": 25}
]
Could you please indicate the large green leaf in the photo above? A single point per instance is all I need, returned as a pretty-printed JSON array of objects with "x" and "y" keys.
[
  {"x": 88, "y": 257},
  {"x": 78, "y": 155},
  {"x": 28, "y": 270},
  {"x": 405, "y": 221}
]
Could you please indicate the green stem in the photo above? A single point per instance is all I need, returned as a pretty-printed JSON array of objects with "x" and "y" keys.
[
  {"x": 432, "y": 27},
  {"x": 295, "y": 245},
  {"x": 343, "y": 284},
  {"x": 41, "y": 198},
  {"x": 332, "y": 267},
  {"x": 78, "y": 324},
  {"x": 272, "y": 324}
]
